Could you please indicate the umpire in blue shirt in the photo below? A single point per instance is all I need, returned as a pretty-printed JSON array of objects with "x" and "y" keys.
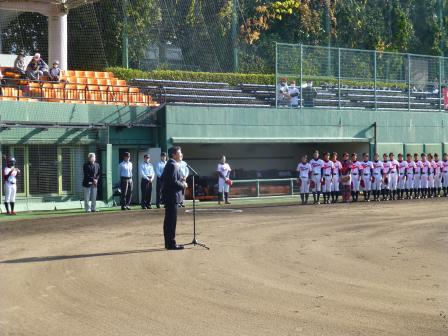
[{"x": 172, "y": 185}]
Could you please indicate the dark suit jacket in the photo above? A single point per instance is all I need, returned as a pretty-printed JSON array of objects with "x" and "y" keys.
[
  {"x": 172, "y": 185},
  {"x": 91, "y": 172}
]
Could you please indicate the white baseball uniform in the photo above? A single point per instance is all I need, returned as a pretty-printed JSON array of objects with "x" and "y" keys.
[
  {"x": 445, "y": 173},
  {"x": 10, "y": 184},
  {"x": 393, "y": 174},
  {"x": 418, "y": 174},
  {"x": 386, "y": 174},
  {"x": 224, "y": 173},
  {"x": 355, "y": 173},
  {"x": 327, "y": 169},
  {"x": 425, "y": 171},
  {"x": 303, "y": 172},
  {"x": 378, "y": 169},
  {"x": 337, "y": 166},
  {"x": 366, "y": 167},
  {"x": 316, "y": 174},
  {"x": 410, "y": 169},
  {"x": 437, "y": 167},
  {"x": 431, "y": 174},
  {"x": 402, "y": 166}
]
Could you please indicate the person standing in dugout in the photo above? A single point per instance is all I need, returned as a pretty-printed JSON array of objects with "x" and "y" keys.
[
  {"x": 159, "y": 171},
  {"x": 223, "y": 180},
  {"x": 92, "y": 174},
  {"x": 125, "y": 173},
  {"x": 10, "y": 178},
  {"x": 147, "y": 173},
  {"x": 172, "y": 186}
]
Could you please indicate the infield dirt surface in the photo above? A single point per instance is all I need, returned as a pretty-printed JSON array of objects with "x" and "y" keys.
[{"x": 363, "y": 269}]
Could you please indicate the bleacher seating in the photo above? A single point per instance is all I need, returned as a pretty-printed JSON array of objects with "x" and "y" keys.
[
  {"x": 75, "y": 87},
  {"x": 255, "y": 95}
]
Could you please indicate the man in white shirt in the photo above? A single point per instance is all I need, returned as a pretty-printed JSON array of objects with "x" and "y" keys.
[
  {"x": 294, "y": 93},
  {"x": 125, "y": 173},
  {"x": 223, "y": 170},
  {"x": 159, "y": 171},
  {"x": 283, "y": 93},
  {"x": 10, "y": 178},
  {"x": 147, "y": 175},
  {"x": 184, "y": 172}
]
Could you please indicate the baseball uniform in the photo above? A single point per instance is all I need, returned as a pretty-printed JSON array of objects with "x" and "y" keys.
[
  {"x": 445, "y": 177},
  {"x": 316, "y": 176},
  {"x": 366, "y": 171},
  {"x": 410, "y": 170},
  {"x": 327, "y": 172},
  {"x": 377, "y": 179},
  {"x": 337, "y": 167},
  {"x": 355, "y": 174},
  {"x": 417, "y": 179},
  {"x": 303, "y": 174}
]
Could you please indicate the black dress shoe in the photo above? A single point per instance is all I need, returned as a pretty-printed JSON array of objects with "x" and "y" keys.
[
  {"x": 149, "y": 207},
  {"x": 158, "y": 206},
  {"x": 175, "y": 247}
]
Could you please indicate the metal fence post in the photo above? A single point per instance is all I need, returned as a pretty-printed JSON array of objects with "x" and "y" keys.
[
  {"x": 440, "y": 84},
  {"x": 258, "y": 188},
  {"x": 292, "y": 186},
  {"x": 409, "y": 82},
  {"x": 339, "y": 78},
  {"x": 301, "y": 75},
  {"x": 276, "y": 74},
  {"x": 375, "y": 80}
]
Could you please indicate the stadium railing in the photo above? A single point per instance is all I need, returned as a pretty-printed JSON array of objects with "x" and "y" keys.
[
  {"x": 361, "y": 79},
  {"x": 263, "y": 187}
]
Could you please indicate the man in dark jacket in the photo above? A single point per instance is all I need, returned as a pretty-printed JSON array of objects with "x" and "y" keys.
[
  {"x": 172, "y": 186},
  {"x": 92, "y": 173}
]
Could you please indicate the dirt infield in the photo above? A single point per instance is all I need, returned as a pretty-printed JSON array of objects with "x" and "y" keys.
[{"x": 365, "y": 269}]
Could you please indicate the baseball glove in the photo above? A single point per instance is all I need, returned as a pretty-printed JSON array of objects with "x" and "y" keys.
[
  {"x": 363, "y": 184},
  {"x": 312, "y": 184},
  {"x": 345, "y": 179},
  {"x": 299, "y": 182},
  {"x": 229, "y": 182}
]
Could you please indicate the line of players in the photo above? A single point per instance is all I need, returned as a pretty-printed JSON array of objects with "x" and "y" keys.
[{"x": 390, "y": 179}]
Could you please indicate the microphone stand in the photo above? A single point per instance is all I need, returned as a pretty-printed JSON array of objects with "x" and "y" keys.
[{"x": 195, "y": 242}]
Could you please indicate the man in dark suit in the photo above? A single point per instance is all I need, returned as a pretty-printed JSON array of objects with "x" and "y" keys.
[{"x": 172, "y": 186}]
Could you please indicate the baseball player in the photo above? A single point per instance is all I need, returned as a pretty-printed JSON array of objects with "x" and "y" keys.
[
  {"x": 303, "y": 178},
  {"x": 417, "y": 177},
  {"x": 10, "y": 178},
  {"x": 431, "y": 189},
  {"x": 393, "y": 177},
  {"x": 355, "y": 175},
  {"x": 346, "y": 180},
  {"x": 385, "y": 185},
  {"x": 327, "y": 177},
  {"x": 377, "y": 177},
  {"x": 410, "y": 170},
  {"x": 402, "y": 165},
  {"x": 224, "y": 174},
  {"x": 366, "y": 171},
  {"x": 424, "y": 177},
  {"x": 438, "y": 165},
  {"x": 316, "y": 177},
  {"x": 445, "y": 174},
  {"x": 337, "y": 166}
]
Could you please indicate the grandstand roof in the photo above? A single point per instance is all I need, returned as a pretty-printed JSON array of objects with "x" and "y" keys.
[{"x": 35, "y": 5}]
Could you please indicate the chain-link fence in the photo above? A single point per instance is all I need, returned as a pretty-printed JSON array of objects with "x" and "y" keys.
[{"x": 311, "y": 76}]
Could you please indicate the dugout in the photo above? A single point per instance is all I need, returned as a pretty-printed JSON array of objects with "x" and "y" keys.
[{"x": 262, "y": 159}]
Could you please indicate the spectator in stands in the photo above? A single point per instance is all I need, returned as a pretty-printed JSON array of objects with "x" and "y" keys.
[
  {"x": 283, "y": 93},
  {"x": 36, "y": 68},
  {"x": 435, "y": 89},
  {"x": 309, "y": 94},
  {"x": 19, "y": 64},
  {"x": 55, "y": 72},
  {"x": 293, "y": 92}
]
